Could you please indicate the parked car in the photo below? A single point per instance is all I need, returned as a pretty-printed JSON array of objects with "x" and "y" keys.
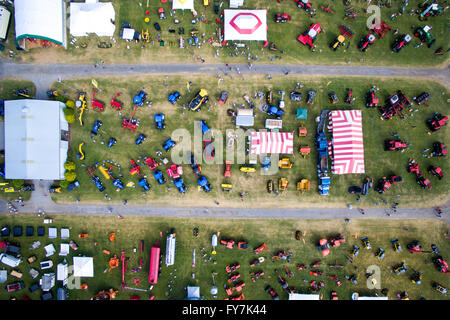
[{"x": 16, "y": 286}]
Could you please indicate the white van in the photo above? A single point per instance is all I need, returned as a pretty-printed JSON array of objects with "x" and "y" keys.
[{"x": 9, "y": 260}]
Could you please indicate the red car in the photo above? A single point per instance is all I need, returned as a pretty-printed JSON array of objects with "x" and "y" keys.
[
  {"x": 223, "y": 97},
  {"x": 366, "y": 42},
  {"x": 310, "y": 36},
  {"x": 16, "y": 286}
]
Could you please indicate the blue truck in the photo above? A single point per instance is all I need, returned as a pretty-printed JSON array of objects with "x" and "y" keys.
[{"x": 322, "y": 149}]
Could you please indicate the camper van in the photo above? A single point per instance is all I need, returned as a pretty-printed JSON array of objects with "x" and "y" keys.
[
  {"x": 9, "y": 260},
  {"x": 5, "y": 17}
]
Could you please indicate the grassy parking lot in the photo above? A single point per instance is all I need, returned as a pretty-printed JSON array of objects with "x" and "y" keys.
[
  {"x": 378, "y": 163},
  {"x": 284, "y": 35},
  {"x": 277, "y": 234}
]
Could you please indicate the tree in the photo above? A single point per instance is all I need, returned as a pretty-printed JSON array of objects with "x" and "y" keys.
[
  {"x": 70, "y": 176},
  {"x": 70, "y": 104},
  {"x": 69, "y": 114},
  {"x": 64, "y": 184},
  {"x": 69, "y": 166},
  {"x": 18, "y": 183}
]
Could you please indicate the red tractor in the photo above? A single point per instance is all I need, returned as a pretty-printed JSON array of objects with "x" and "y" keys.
[
  {"x": 437, "y": 121},
  {"x": 135, "y": 168},
  {"x": 395, "y": 145},
  {"x": 174, "y": 171},
  {"x": 227, "y": 172},
  {"x": 436, "y": 171},
  {"x": 394, "y": 105},
  {"x": 383, "y": 185},
  {"x": 441, "y": 265},
  {"x": 366, "y": 42},
  {"x": 371, "y": 99},
  {"x": 439, "y": 149},
  {"x": 96, "y": 104},
  {"x": 227, "y": 243},
  {"x": 413, "y": 167},
  {"x": 115, "y": 104},
  {"x": 260, "y": 249},
  {"x": 256, "y": 275},
  {"x": 414, "y": 247},
  {"x": 395, "y": 179},
  {"x": 232, "y": 268},
  {"x": 303, "y": 4},
  {"x": 151, "y": 163},
  {"x": 310, "y": 35},
  {"x": 282, "y": 17},
  {"x": 423, "y": 182}
]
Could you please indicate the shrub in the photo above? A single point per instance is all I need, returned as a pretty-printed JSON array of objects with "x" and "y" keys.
[
  {"x": 70, "y": 176},
  {"x": 18, "y": 183},
  {"x": 64, "y": 184},
  {"x": 70, "y": 104},
  {"x": 69, "y": 166}
]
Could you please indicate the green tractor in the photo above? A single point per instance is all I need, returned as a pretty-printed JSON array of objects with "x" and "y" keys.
[
  {"x": 433, "y": 10},
  {"x": 424, "y": 34}
]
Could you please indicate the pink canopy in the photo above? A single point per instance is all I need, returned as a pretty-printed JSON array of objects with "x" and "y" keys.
[
  {"x": 272, "y": 142},
  {"x": 347, "y": 146}
]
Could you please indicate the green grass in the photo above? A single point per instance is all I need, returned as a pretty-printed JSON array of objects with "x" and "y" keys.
[
  {"x": 378, "y": 163},
  {"x": 277, "y": 234},
  {"x": 284, "y": 35}
]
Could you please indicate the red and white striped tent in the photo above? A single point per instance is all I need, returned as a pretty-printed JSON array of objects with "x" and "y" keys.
[
  {"x": 346, "y": 148},
  {"x": 272, "y": 142}
]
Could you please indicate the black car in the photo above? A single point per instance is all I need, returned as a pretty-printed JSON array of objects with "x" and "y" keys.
[
  {"x": 354, "y": 189},
  {"x": 157, "y": 26},
  {"x": 195, "y": 166},
  {"x": 28, "y": 187}
]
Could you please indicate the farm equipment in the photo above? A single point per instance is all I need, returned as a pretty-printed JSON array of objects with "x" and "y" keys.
[
  {"x": 423, "y": 182},
  {"x": 436, "y": 171},
  {"x": 366, "y": 243},
  {"x": 115, "y": 104},
  {"x": 151, "y": 163},
  {"x": 439, "y": 149},
  {"x": 322, "y": 148},
  {"x": 395, "y": 145},
  {"x": 425, "y": 36},
  {"x": 400, "y": 269},
  {"x": 257, "y": 261},
  {"x": 383, "y": 185},
  {"x": 396, "y": 245},
  {"x": 131, "y": 123},
  {"x": 273, "y": 110},
  {"x": 105, "y": 295},
  {"x": 433, "y": 10},
  {"x": 303, "y": 185},
  {"x": 401, "y": 42},
  {"x": 161, "y": 13},
  {"x": 174, "y": 171},
  {"x": 179, "y": 184},
  {"x": 232, "y": 268},
  {"x": 270, "y": 186},
  {"x": 437, "y": 121},
  {"x": 173, "y": 97},
  {"x": 111, "y": 142},
  {"x": 195, "y": 166},
  {"x": 283, "y": 184},
  {"x": 308, "y": 37},
  {"x": 349, "y": 97},
  {"x": 416, "y": 277},
  {"x": 327, "y": 9},
  {"x": 325, "y": 244},
  {"x": 143, "y": 183},
  {"x": 260, "y": 249},
  {"x": 304, "y": 4},
  {"x": 168, "y": 144},
  {"x": 247, "y": 168},
  {"x": 256, "y": 275},
  {"x": 269, "y": 289},
  {"x": 200, "y": 98},
  {"x": 311, "y": 96},
  {"x": 141, "y": 138},
  {"x": 441, "y": 265},
  {"x": 422, "y": 98},
  {"x": 380, "y": 28},
  {"x": 395, "y": 179},
  {"x": 282, "y": 17},
  {"x": 96, "y": 104},
  {"x": 333, "y": 97},
  {"x": 380, "y": 254},
  {"x": 159, "y": 121},
  {"x": 204, "y": 183},
  {"x": 159, "y": 177},
  {"x": 285, "y": 163},
  {"x": 371, "y": 99},
  {"x": 135, "y": 168},
  {"x": 436, "y": 286},
  {"x": 413, "y": 167},
  {"x": 96, "y": 127},
  {"x": 95, "y": 179},
  {"x": 366, "y": 42},
  {"x": 394, "y": 105},
  {"x": 25, "y": 93},
  {"x": 227, "y": 173},
  {"x": 283, "y": 255},
  {"x": 367, "y": 184},
  {"x": 354, "y": 254}
]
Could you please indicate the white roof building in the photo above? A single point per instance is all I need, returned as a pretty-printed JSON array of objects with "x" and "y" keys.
[
  {"x": 36, "y": 139},
  {"x": 92, "y": 17},
  {"x": 83, "y": 267},
  {"x": 43, "y": 19},
  {"x": 183, "y": 4},
  {"x": 245, "y": 24}
]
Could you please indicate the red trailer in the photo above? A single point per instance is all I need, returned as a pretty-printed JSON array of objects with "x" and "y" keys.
[{"x": 154, "y": 265}]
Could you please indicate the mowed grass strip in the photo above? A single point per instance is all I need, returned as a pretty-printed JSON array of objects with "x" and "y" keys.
[
  {"x": 278, "y": 234},
  {"x": 378, "y": 163},
  {"x": 284, "y": 35}
]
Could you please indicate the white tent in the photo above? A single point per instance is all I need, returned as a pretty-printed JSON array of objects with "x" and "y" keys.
[
  {"x": 193, "y": 293},
  {"x": 171, "y": 243},
  {"x": 36, "y": 134},
  {"x": 301, "y": 296},
  {"x": 92, "y": 17},
  {"x": 83, "y": 267},
  {"x": 245, "y": 24},
  {"x": 183, "y": 4},
  {"x": 49, "y": 249},
  {"x": 64, "y": 249},
  {"x": 43, "y": 19}
]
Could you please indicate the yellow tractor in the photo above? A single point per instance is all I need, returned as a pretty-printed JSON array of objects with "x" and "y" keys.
[
  {"x": 285, "y": 163},
  {"x": 226, "y": 186},
  {"x": 247, "y": 169},
  {"x": 82, "y": 98},
  {"x": 303, "y": 185},
  {"x": 282, "y": 184}
]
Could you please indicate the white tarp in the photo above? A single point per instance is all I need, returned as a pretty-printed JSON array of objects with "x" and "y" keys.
[
  {"x": 33, "y": 148},
  {"x": 43, "y": 19},
  {"x": 83, "y": 267},
  {"x": 95, "y": 18},
  {"x": 183, "y": 4},
  {"x": 245, "y": 24}
]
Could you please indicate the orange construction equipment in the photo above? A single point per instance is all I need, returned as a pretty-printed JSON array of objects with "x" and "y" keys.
[
  {"x": 304, "y": 151},
  {"x": 112, "y": 236},
  {"x": 113, "y": 262},
  {"x": 106, "y": 252},
  {"x": 83, "y": 235},
  {"x": 106, "y": 295}
]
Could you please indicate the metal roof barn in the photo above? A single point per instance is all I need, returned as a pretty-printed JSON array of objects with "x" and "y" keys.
[{"x": 36, "y": 139}]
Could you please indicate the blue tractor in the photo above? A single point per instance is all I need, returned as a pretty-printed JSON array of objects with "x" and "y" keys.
[
  {"x": 141, "y": 138},
  {"x": 173, "y": 97},
  {"x": 179, "y": 184},
  {"x": 144, "y": 184},
  {"x": 169, "y": 144},
  {"x": 98, "y": 183},
  {"x": 118, "y": 184},
  {"x": 159, "y": 176},
  {"x": 73, "y": 185},
  {"x": 204, "y": 184},
  {"x": 111, "y": 142},
  {"x": 140, "y": 98},
  {"x": 96, "y": 127},
  {"x": 159, "y": 121}
]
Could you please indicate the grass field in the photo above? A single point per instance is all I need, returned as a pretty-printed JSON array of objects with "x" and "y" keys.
[
  {"x": 378, "y": 163},
  {"x": 277, "y": 234},
  {"x": 284, "y": 35}
]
